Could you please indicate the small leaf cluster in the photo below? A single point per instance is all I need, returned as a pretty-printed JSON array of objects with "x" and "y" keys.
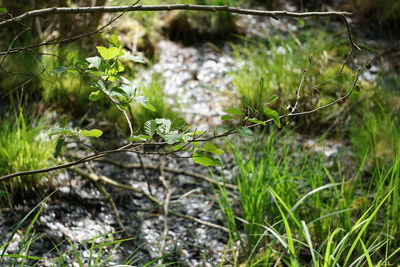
[{"x": 235, "y": 113}]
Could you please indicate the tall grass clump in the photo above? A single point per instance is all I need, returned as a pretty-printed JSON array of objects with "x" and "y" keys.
[
  {"x": 295, "y": 211},
  {"x": 376, "y": 133},
  {"x": 24, "y": 145},
  {"x": 276, "y": 66}
]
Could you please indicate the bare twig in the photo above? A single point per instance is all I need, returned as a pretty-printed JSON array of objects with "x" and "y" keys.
[
  {"x": 110, "y": 200},
  {"x": 129, "y": 147},
  {"x": 170, "y": 170},
  {"x": 112, "y": 9},
  {"x": 105, "y": 180},
  {"x": 144, "y": 173},
  {"x": 166, "y": 210}
]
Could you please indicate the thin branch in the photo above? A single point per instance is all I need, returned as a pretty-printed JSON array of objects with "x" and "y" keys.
[
  {"x": 166, "y": 210},
  {"x": 112, "y": 9},
  {"x": 97, "y": 178},
  {"x": 66, "y": 40},
  {"x": 129, "y": 147},
  {"x": 170, "y": 170}
]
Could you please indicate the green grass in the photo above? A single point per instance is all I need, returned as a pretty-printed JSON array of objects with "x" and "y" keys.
[
  {"x": 24, "y": 145},
  {"x": 276, "y": 65},
  {"x": 296, "y": 211},
  {"x": 100, "y": 249},
  {"x": 157, "y": 98}
]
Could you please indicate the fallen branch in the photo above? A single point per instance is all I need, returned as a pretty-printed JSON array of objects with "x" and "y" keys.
[
  {"x": 170, "y": 170},
  {"x": 105, "y": 180}
]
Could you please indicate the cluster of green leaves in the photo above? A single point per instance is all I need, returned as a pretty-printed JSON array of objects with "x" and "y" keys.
[{"x": 235, "y": 113}]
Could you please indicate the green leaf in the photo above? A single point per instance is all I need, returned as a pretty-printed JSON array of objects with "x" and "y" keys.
[
  {"x": 211, "y": 148},
  {"x": 60, "y": 70},
  {"x": 58, "y": 148},
  {"x": 178, "y": 124},
  {"x": 57, "y": 131},
  {"x": 196, "y": 144},
  {"x": 234, "y": 111},
  {"x": 117, "y": 67},
  {"x": 245, "y": 132},
  {"x": 273, "y": 98},
  {"x": 133, "y": 58},
  {"x": 150, "y": 127},
  {"x": 164, "y": 125},
  {"x": 92, "y": 133},
  {"x": 3, "y": 10},
  {"x": 96, "y": 95},
  {"x": 113, "y": 39},
  {"x": 108, "y": 53},
  {"x": 260, "y": 88},
  {"x": 273, "y": 115},
  {"x": 100, "y": 85},
  {"x": 143, "y": 100},
  {"x": 140, "y": 138},
  {"x": 150, "y": 107},
  {"x": 171, "y": 138},
  {"x": 94, "y": 62},
  {"x": 227, "y": 117},
  {"x": 204, "y": 160},
  {"x": 254, "y": 120},
  {"x": 180, "y": 147}
]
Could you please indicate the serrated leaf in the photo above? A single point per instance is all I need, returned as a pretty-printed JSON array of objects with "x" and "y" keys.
[
  {"x": 108, "y": 53},
  {"x": 244, "y": 131},
  {"x": 164, "y": 125},
  {"x": 94, "y": 62},
  {"x": 234, "y": 111},
  {"x": 140, "y": 138},
  {"x": 133, "y": 58},
  {"x": 100, "y": 85},
  {"x": 211, "y": 148},
  {"x": 60, "y": 70},
  {"x": 171, "y": 138},
  {"x": 150, "y": 127},
  {"x": 92, "y": 133},
  {"x": 273, "y": 115},
  {"x": 205, "y": 160},
  {"x": 256, "y": 121},
  {"x": 121, "y": 94},
  {"x": 96, "y": 95},
  {"x": 227, "y": 117}
]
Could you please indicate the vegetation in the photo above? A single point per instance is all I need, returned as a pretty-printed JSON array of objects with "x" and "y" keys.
[
  {"x": 24, "y": 145},
  {"x": 286, "y": 204},
  {"x": 290, "y": 208}
]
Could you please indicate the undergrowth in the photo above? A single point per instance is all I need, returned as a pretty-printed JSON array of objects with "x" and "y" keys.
[
  {"x": 24, "y": 145},
  {"x": 297, "y": 212}
]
